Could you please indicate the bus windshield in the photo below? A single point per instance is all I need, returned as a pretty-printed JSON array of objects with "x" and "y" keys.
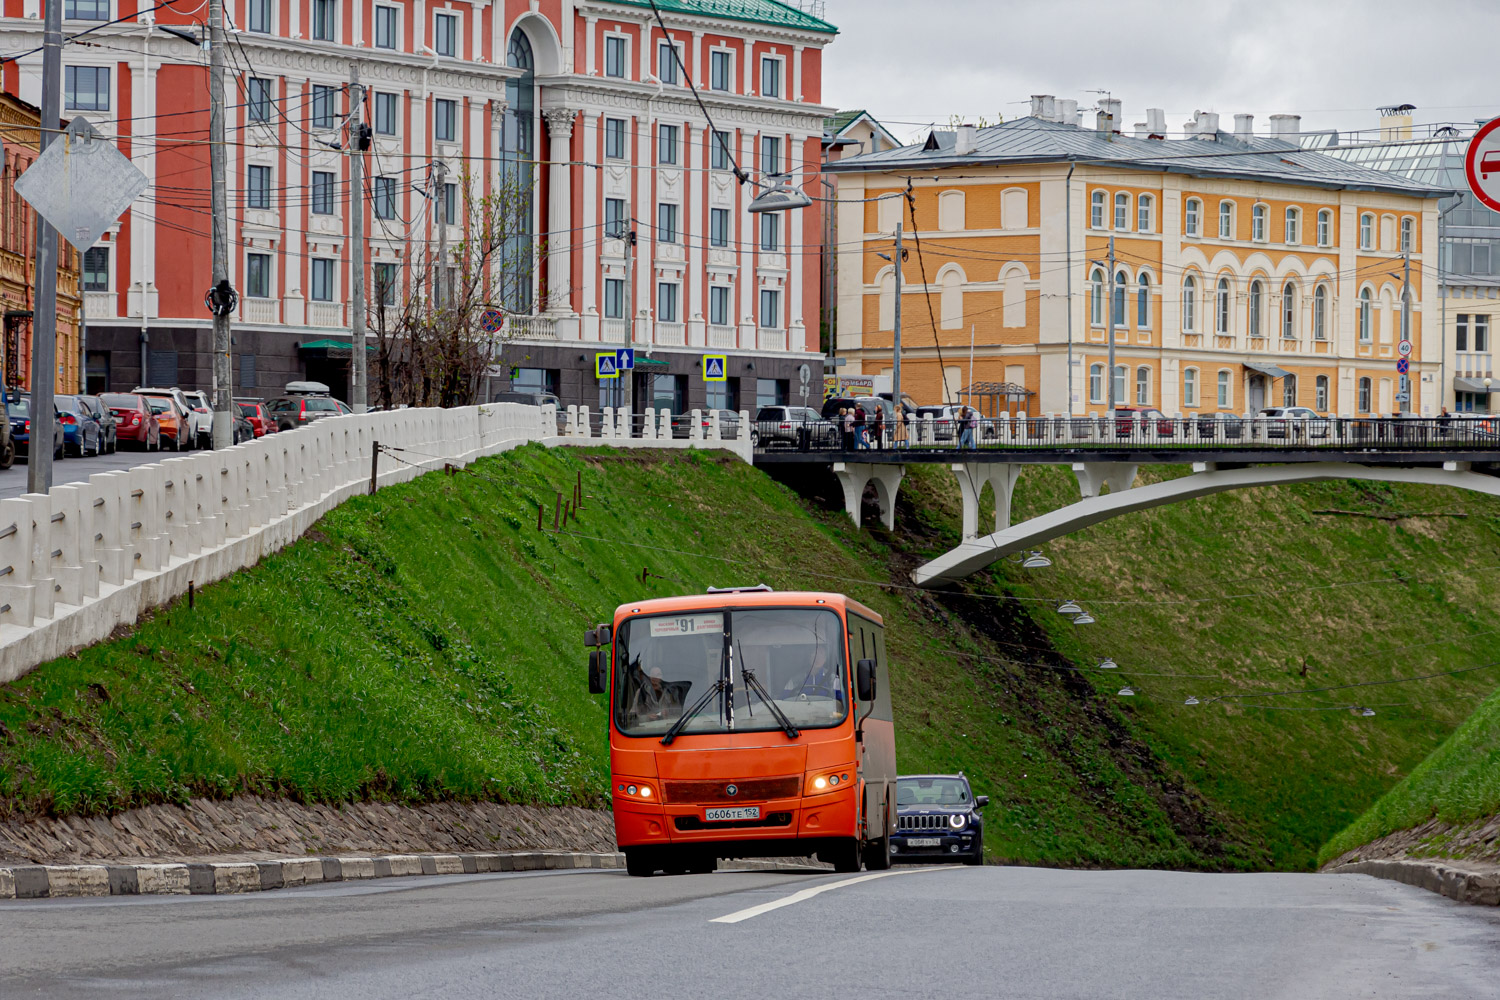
[{"x": 666, "y": 663}]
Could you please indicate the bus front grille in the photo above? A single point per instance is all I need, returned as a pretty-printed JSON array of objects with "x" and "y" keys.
[
  {"x": 748, "y": 790},
  {"x": 694, "y": 823}
]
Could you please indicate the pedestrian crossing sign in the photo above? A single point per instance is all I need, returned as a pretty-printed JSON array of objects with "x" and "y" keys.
[
  {"x": 606, "y": 365},
  {"x": 715, "y": 367}
]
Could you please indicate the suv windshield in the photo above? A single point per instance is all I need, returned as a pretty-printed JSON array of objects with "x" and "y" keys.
[
  {"x": 319, "y": 404},
  {"x": 932, "y": 792},
  {"x": 664, "y": 664}
]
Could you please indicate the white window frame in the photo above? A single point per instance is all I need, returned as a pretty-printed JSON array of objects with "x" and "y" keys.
[
  {"x": 1288, "y": 311},
  {"x": 1122, "y": 211},
  {"x": 458, "y": 33},
  {"x": 1192, "y": 217},
  {"x": 623, "y": 133},
  {"x": 610, "y": 37},
  {"x": 662, "y": 63},
  {"x": 1259, "y": 222},
  {"x": 1225, "y": 396},
  {"x": 1366, "y": 394},
  {"x": 1257, "y": 308},
  {"x": 665, "y": 298},
  {"x": 720, "y": 227},
  {"x": 675, "y": 146},
  {"x": 1320, "y": 394},
  {"x": 456, "y": 130},
  {"x": 1190, "y": 387},
  {"x": 1096, "y": 297},
  {"x": 1365, "y": 311},
  {"x": 1226, "y": 219},
  {"x": 769, "y": 304},
  {"x": 719, "y": 152},
  {"x": 767, "y": 144},
  {"x": 1144, "y": 205},
  {"x": 720, "y": 295},
  {"x": 107, "y": 95},
  {"x": 1189, "y": 304},
  {"x": 313, "y": 25},
  {"x": 271, "y": 12},
  {"x": 728, "y": 54},
  {"x": 1289, "y": 389},
  {"x": 668, "y": 222},
  {"x": 781, "y": 78},
  {"x": 1097, "y": 199},
  {"x": 1121, "y": 384},
  {"x": 1320, "y": 312},
  {"x": 329, "y": 264},
  {"x": 1406, "y": 234},
  {"x": 1223, "y": 306},
  {"x": 1143, "y": 302},
  {"x": 1143, "y": 386},
  {"x": 1367, "y": 231},
  {"x": 769, "y": 238},
  {"x": 1096, "y": 383},
  {"x": 382, "y": 96},
  {"x": 394, "y": 13},
  {"x": 1325, "y": 228},
  {"x": 269, "y": 272},
  {"x": 1292, "y": 226}
]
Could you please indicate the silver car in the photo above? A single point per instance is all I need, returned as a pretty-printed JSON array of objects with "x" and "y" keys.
[{"x": 1297, "y": 422}]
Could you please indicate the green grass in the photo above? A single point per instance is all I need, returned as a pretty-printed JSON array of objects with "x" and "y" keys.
[{"x": 425, "y": 644}]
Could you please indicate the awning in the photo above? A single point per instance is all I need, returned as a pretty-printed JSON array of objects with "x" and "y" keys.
[
  {"x": 1268, "y": 369},
  {"x": 1474, "y": 385},
  {"x": 329, "y": 348}
]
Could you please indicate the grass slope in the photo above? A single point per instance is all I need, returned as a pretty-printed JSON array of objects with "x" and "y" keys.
[{"x": 1231, "y": 595}]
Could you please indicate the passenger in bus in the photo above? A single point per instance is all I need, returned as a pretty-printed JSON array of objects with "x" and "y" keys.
[
  {"x": 655, "y": 700},
  {"x": 822, "y": 680}
]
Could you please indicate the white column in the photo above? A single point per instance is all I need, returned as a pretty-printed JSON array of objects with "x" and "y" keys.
[
  {"x": 695, "y": 230},
  {"x": 560, "y": 209},
  {"x": 797, "y": 72},
  {"x": 589, "y": 294},
  {"x": 591, "y": 45}
]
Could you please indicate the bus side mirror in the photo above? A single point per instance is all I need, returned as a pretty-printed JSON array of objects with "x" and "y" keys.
[
  {"x": 598, "y": 671},
  {"x": 980, "y": 801},
  {"x": 605, "y": 634},
  {"x": 591, "y": 638},
  {"x": 864, "y": 680}
]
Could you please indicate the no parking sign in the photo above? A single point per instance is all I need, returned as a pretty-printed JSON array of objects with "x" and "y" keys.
[{"x": 1482, "y": 164}]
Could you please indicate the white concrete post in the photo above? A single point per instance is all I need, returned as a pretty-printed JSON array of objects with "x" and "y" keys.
[
  {"x": 664, "y": 425},
  {"x": 585, "y": 427},
  {"x": 715, "y": 430},
  {"x": 17, "y": 593},
  {"x": 116, "y": 557},
  {"x": 41, "y": 554},
  {"x": 695, "y": 430},
  {"x": 607, "y": 423},
  {"x": 77, "y": 578}
]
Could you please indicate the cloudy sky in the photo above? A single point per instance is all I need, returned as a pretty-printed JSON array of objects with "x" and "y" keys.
[{"x": 1331, "y": 61}]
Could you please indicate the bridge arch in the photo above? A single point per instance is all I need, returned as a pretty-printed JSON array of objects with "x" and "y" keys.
[{"x": 975, "y": 554}]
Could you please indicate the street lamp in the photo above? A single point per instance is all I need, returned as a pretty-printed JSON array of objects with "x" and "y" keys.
[
  {"x": 780, "y": 198},
  {"x": 1108, "y": 663}
]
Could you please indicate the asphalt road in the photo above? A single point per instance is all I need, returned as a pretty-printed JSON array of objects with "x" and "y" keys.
[
  {"x": 72, "y": 470},
  {"x": 954, "y": 933}
]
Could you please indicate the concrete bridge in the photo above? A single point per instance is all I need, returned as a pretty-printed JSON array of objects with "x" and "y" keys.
[{"x": 1225, "y": 454}]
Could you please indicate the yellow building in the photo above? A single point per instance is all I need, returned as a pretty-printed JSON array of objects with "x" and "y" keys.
[
  {"x": 1248, "y": 272},
  {"x": 19, "y": 123}
]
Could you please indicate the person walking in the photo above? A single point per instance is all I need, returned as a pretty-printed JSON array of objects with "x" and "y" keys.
[
  {"x": 860, "y": 421},
  {"x": 846, "y": 427},
  {"x": 878, "y": 428},
  {"x": 899, "y": 433},
  {"x": 967, "y": 421}
]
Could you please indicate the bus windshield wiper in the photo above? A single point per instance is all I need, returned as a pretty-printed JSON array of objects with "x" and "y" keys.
[
  {"x": 753, "y": 683},
  {"x": 677, "y": 727}
]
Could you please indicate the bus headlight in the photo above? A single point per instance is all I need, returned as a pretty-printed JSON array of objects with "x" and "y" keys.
[
  {"x": 635, "y": 790},
  {"x": 958, "y": 821},
  {"x": 828, "y": 781}
]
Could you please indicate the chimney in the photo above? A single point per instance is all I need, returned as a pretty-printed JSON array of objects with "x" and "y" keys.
[
  {"x": 1141, "y": 131},
  {"x": 1208, "y": 124},
  {"x": 1190, "y": 127},
  {"x": 1395, "y": 122},
  {"x": 1111, "y": 107},
  {"x": 1156, "y": 122},
  {"x": 1042, "y": 106},
  {"x": 967, "y": 141},
  {"x": 1067, "y": 112},
  {"x": 1283, "y": 125},
  {"x": 1244, "y": 126}
]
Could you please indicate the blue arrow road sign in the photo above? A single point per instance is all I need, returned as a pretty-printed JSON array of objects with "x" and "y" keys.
[
  {"x": 1403, "y": 366},
  {"x": 714, "y": 367},
  {"x": 606, "y": 366},
  {"x": 625, "y": 358}
]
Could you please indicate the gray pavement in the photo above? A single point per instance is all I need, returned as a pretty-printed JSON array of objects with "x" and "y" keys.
[
  {"x": 72, "y": 470},
  {"x": 954, "y": 933}
]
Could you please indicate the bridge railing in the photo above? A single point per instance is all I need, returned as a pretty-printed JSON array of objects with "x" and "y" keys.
[{"x": 1137, "y": 432}]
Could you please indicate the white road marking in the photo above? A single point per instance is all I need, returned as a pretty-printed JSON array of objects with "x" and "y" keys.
[{"x": 803, "y": 895}]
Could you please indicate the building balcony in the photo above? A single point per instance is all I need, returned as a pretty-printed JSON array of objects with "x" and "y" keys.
[
  {"x": 671, "y": 334},
  {"x": 771, "y": 339},
  {"x": 100, "y": 305},
  {"x": 612, "y": 331},
  {"x": 326, "y": 314},
  {"x": 722, "y": 337},
  {"x": 1471, "y": 364},
  {"x": 261, "y": 312},
  {"x": 531, "y": 327}
]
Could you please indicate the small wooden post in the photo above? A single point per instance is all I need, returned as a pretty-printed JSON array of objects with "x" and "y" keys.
[
  {"x": 557, "y": 513},
  {"x": 374, "y": 465}
]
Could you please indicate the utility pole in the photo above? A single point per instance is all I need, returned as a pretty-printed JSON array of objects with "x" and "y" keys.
[
  {"x": 896, "y": 332},
  {"x": 1113, "y": 402},
  {"x": 628, "y": 376},
  {"x": 441, "y": 169},
  {"x": 1410, "y": 387},
  {"x": 360, "y": 258},
  {"x": 223, "y": 434},
  {"x": 44, "y": 315}
]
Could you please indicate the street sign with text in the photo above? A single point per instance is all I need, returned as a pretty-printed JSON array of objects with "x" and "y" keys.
[
  {"x": 81, "y": 185},
  {"x": 1404, "y": 348},
  {"x": 1482, "y": 164}
]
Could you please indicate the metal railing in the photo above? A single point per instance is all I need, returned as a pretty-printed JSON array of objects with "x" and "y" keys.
[{"x": 1210, "y": 432}]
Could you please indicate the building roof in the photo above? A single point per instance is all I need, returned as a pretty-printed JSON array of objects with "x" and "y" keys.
[
  {"x": 837, "y": 124},
  {"x": 1040, "y": 140},
  {"x": 756, "y": 11}
]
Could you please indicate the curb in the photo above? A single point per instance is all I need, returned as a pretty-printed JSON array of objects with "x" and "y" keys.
[
  {"x": 1463, "y": 885},
  {"x": 231, "y": 877}
]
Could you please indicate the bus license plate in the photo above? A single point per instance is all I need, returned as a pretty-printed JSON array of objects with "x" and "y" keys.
[
  {"x": 731, "y": 813},
  {"x": 924, "y": 842}
]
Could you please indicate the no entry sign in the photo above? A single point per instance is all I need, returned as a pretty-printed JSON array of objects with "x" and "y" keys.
[{"x": 1482, "y": 164}]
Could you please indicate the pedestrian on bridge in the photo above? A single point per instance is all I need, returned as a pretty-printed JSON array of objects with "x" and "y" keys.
[
  {"x": 899, "y": 433},
  {"x": 877, "y": 431},
  {"x": 860, "y": 425},
  {"x": 968, "y": 418},
  {"x": 846, "y": 427}
]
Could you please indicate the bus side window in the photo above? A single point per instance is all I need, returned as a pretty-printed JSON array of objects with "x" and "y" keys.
[{"x": 883, "y": 674}]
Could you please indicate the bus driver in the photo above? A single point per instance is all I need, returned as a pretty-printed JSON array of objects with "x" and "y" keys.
[{"x": 655, "y": 700}]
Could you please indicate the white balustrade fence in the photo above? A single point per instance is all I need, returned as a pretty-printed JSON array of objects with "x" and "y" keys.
[{"x": 85, "y": 558}]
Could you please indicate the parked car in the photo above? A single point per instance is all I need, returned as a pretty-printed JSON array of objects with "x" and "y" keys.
[
  {"x": 792, "y": 426},
  {"x": 202, "y": 416},
  {"x": 1229, "y": 424},
  {"x": 7, "y": 439},
  {"x": 19, "y": 411},
  {"x": 242, "y": 430},
  {"x": 944, "y": 421},
  {"x": 254, "y": 411},
  {"x": 184, "y": 411},
  {"x": 107, "y": 422},
  {"x": 299, "y": 409},
  {"x": 729, "y": 424},
  {"x": 1303, "y": 421},
  {"x": 1151, "y": 420},
  {"x": 135, "y": 422},
  {"x": 82, "y": 434},
  {"x": 176, "y": 430},
  {"x": 938, "y": 818},
  {"x": 536, "y": 399}
]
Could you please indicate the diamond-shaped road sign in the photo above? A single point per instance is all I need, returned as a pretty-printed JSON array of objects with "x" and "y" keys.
[{"x": 81, "y": 185}]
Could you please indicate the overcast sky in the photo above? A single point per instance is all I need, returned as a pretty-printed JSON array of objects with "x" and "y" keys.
[{"x": 1331, "y": 61}]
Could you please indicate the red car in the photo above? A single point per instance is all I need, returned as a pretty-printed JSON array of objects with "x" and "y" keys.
[
  {"x": 134, "y": 422},
  {"x": 1489, "y": 163},
  {"x": 260, "y": 420}
]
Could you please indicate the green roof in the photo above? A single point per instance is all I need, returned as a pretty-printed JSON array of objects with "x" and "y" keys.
[
  {"x": 330, "y": 345},
  {"x": 834, "y": 124},
  {"x": 759, "y": 11}
]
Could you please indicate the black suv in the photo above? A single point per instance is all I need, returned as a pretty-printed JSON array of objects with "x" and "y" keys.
[{"x": 938, "y": 819}]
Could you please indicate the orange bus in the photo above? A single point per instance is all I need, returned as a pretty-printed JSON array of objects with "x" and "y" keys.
[{"x": 747, "y": 723}]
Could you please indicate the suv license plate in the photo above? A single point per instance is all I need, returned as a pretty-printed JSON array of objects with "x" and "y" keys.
[
  {"x": 735, "y": 812},
  {"x": 924, "y": 842}
]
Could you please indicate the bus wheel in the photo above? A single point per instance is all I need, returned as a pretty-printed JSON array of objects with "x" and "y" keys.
[
  {"x": 878, "y": 854},
  {"x": 703, "y": 866},
  {"x": 640, "y": 861},
  {"x": 844, "y": 856}
]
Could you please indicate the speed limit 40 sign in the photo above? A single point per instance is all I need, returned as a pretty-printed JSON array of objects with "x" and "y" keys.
[{"x": 1482, "y": 164}]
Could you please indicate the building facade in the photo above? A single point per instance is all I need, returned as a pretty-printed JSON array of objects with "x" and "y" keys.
[
  {"x": 581, "y": 106},
  {"x": 19, "y": 123},
  {"x": 1247, "y": 272}
]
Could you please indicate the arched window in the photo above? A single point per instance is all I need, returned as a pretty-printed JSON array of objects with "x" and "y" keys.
[
  {"x": 1120, "y": 397},
  {"x": 1325, "y": 228},
  {"x": 1096, "y": 383},
  {"x": 951, "y": 300},
  {"x": 1013, "y": 298},
  {"x": 1221, "y": 308},
  {"x": 1408, "y": 234},
  {"x": 1289, "y": 391},
  {"x": 1189, "y": 305},
  {"x": 1258, "y": 223},
  {"x": 1321, "y": 402},
  {"x": 1289, "y": 311},
  {"x": 1096, "y": 297},
  {"x": 1122, "y": 282},
  {"x": 1143, "y": 213},
  {"x": 1143, "y": 302},
  {"x": 1226, "y": 394},
  {"x": 1192, "y": 217},
  {"x": 517, "y": 153},
  {"x": 1142, "y": 386},
  {"x": 951, "y": 211},
  {"x": 1096, "y": 210},
  {"x": 1013, "y": 209},
  {"x": 1366, "y": 317},
  {"x": 1293, "y": 225},
  {"x": 1226, "y": 220},
  {"x": 1367, "y": 232},
  {"x": 1257, "y": 308},
  {"x": 1320, "y": 313},
  {"x": 1364, "y": 395},
  {"x": 1190, "y": 387},
  {"x": 887, "y": 301},
  {"x": 1122, "y": 211}
]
